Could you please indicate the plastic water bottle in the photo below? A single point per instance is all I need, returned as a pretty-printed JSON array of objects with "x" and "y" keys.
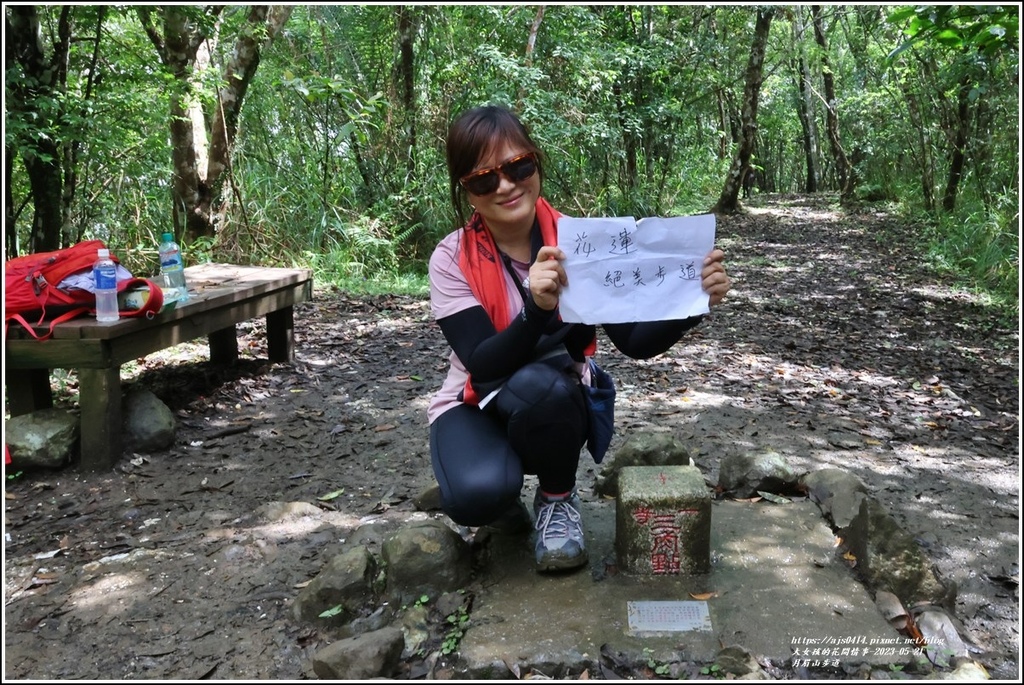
[
  {"x": 105, "y": 274},
  {"x": 172, "y": 267}
]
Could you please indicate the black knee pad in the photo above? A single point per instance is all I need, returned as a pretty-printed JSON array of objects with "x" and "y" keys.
[{"x": 543, "y": 394}]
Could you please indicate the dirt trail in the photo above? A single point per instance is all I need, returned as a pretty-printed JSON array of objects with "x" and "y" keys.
[{"x": 837, "y": 347}]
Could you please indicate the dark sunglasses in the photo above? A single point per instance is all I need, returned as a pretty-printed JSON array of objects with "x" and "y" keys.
[{"x": 486, "y": 181}]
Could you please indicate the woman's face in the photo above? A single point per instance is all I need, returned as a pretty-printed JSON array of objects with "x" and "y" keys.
[{"x": 511, "y": 207}]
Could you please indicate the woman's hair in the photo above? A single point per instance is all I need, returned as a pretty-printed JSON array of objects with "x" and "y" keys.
[{"x": 473, "y": 134}]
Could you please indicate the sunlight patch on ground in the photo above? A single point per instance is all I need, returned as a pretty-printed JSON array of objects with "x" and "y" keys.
[
  {"x": 988, "y": 473},
  {"x": 290, "y": 528},
  {"x": 942, "y": 293},
  {"x": 110, "y": 592}
]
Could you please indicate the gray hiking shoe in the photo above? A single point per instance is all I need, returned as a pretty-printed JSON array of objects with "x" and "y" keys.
[{"x": 559, "y": 525}]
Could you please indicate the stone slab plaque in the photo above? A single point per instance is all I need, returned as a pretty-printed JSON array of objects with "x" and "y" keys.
[{"x": 674, "y": 616}]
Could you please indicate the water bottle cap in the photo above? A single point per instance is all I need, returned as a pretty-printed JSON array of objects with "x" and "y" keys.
[
  {"x": 103, "y": 253},
  {"x": 167, "y": 237}
]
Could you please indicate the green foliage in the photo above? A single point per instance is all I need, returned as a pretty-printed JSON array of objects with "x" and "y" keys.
[
  {"x": 457, "y": 624},
  {"x": 714, "y": 670},
  {"x": 986, "y": 28},
  {"x": 653, "y": 664},
  {"x": 635, "y": 106},
  {"x": 982, "y": 244}
]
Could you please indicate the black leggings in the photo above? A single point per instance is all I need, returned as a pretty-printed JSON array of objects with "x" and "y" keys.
[{"x": 537, "y": 424}]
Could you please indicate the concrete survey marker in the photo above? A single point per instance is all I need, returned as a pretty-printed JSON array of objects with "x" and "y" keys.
[
  {"x": 667, "y": 617},
  {"x": 778, "y": 588},
  {"x": 663, "y": 521}
]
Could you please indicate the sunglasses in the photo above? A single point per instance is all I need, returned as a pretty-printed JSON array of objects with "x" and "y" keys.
[{"x": 486, "y": 181}]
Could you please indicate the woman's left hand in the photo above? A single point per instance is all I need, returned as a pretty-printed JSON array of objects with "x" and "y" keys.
[{"x": 714, "y": 280}]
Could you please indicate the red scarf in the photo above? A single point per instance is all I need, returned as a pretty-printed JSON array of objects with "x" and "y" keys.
[{"x": 485, "y": 272}]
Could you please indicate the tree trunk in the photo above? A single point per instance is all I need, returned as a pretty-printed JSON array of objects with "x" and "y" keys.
[
  {"x": 534, "y": 30},
  {"x": 628, "y": 138},
  {"x": 958, "y": 154},
  {"x": 805, "y": 108},
  {"x": 406, "y": 35},
  {"x": 198, "y": 193},
  {"x": 723, "y": 123},
  {"x": 71, "y": 148},
  {"x": 924, "y": 142},
  {"x": 264, "y": 22},
  {"x": 177, "y": 44},
  {"x": 41, "y": 155},
  {"x": 728, "y": 201},
  {"x": 832, "y": 116}
]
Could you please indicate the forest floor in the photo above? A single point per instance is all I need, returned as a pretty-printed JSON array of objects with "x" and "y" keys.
[{"x": 838, "y": 346}]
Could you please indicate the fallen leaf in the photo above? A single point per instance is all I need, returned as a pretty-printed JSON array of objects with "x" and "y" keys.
[
  {"x": 704, "y": 595},
  {"x": 512, "y": 666},
  {"x": 331, "y": 495}
]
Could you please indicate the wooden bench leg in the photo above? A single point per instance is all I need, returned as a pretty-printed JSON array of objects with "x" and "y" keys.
[
  {"x": 28, "y": 390},
  {"x": 99, "y": 397},
  {"x": 281, "y": 335},
  {"x": 224, "y": 346}
]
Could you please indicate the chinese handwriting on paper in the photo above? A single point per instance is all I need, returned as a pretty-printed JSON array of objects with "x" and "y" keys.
[
  {"x": 687, "y": 272},
  {"x": 583, "y": 245},
  {"x": 620, "y": 269},
  {"x": 623, "y": 243}
]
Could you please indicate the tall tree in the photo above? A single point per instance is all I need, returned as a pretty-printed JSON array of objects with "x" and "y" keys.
[
  {"x": 831, "y": 108},
  {"x": 201, "y": 178},
  {"x": 805, "y": 104},
  {"x": 34, "y": 80},
  {"x": 728, "y": 201},
  {"x": 407, "y": 71}
]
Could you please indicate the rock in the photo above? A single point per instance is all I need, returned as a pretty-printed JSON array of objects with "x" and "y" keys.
[
  {"x": 942, "y": 637},
  {"x": 425, "y": 558},
  {"x": 41, "y": 439},
  {"x": 640, "y": 449},
  {"x": 415, "y": 629},
  {"x": 362, "y": 657},
  {"x": 737, "y": 660},
  {"x": 844, "y": 441},
  {"x": 889, "y": 559},
  {"x": 742, "y": 475},
  {"x": 148, "y": 423},
  {"x": 837, "y": 493},
  {"x": 968, "y": 670},
  {"x": 346, "y": 582}
]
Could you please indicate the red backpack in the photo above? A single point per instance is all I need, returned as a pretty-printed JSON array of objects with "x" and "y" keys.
[{"x": 31, "y": 288}]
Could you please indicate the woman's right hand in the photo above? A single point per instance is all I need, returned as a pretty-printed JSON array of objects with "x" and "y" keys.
[{"x": 547, "y": 277}]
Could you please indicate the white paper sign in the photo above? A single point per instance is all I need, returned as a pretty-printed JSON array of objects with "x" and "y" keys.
[{"x": 622, "y": 270}]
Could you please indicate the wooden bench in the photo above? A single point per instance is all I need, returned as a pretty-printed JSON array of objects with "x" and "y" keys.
[{"x": 220, "y": 296}]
